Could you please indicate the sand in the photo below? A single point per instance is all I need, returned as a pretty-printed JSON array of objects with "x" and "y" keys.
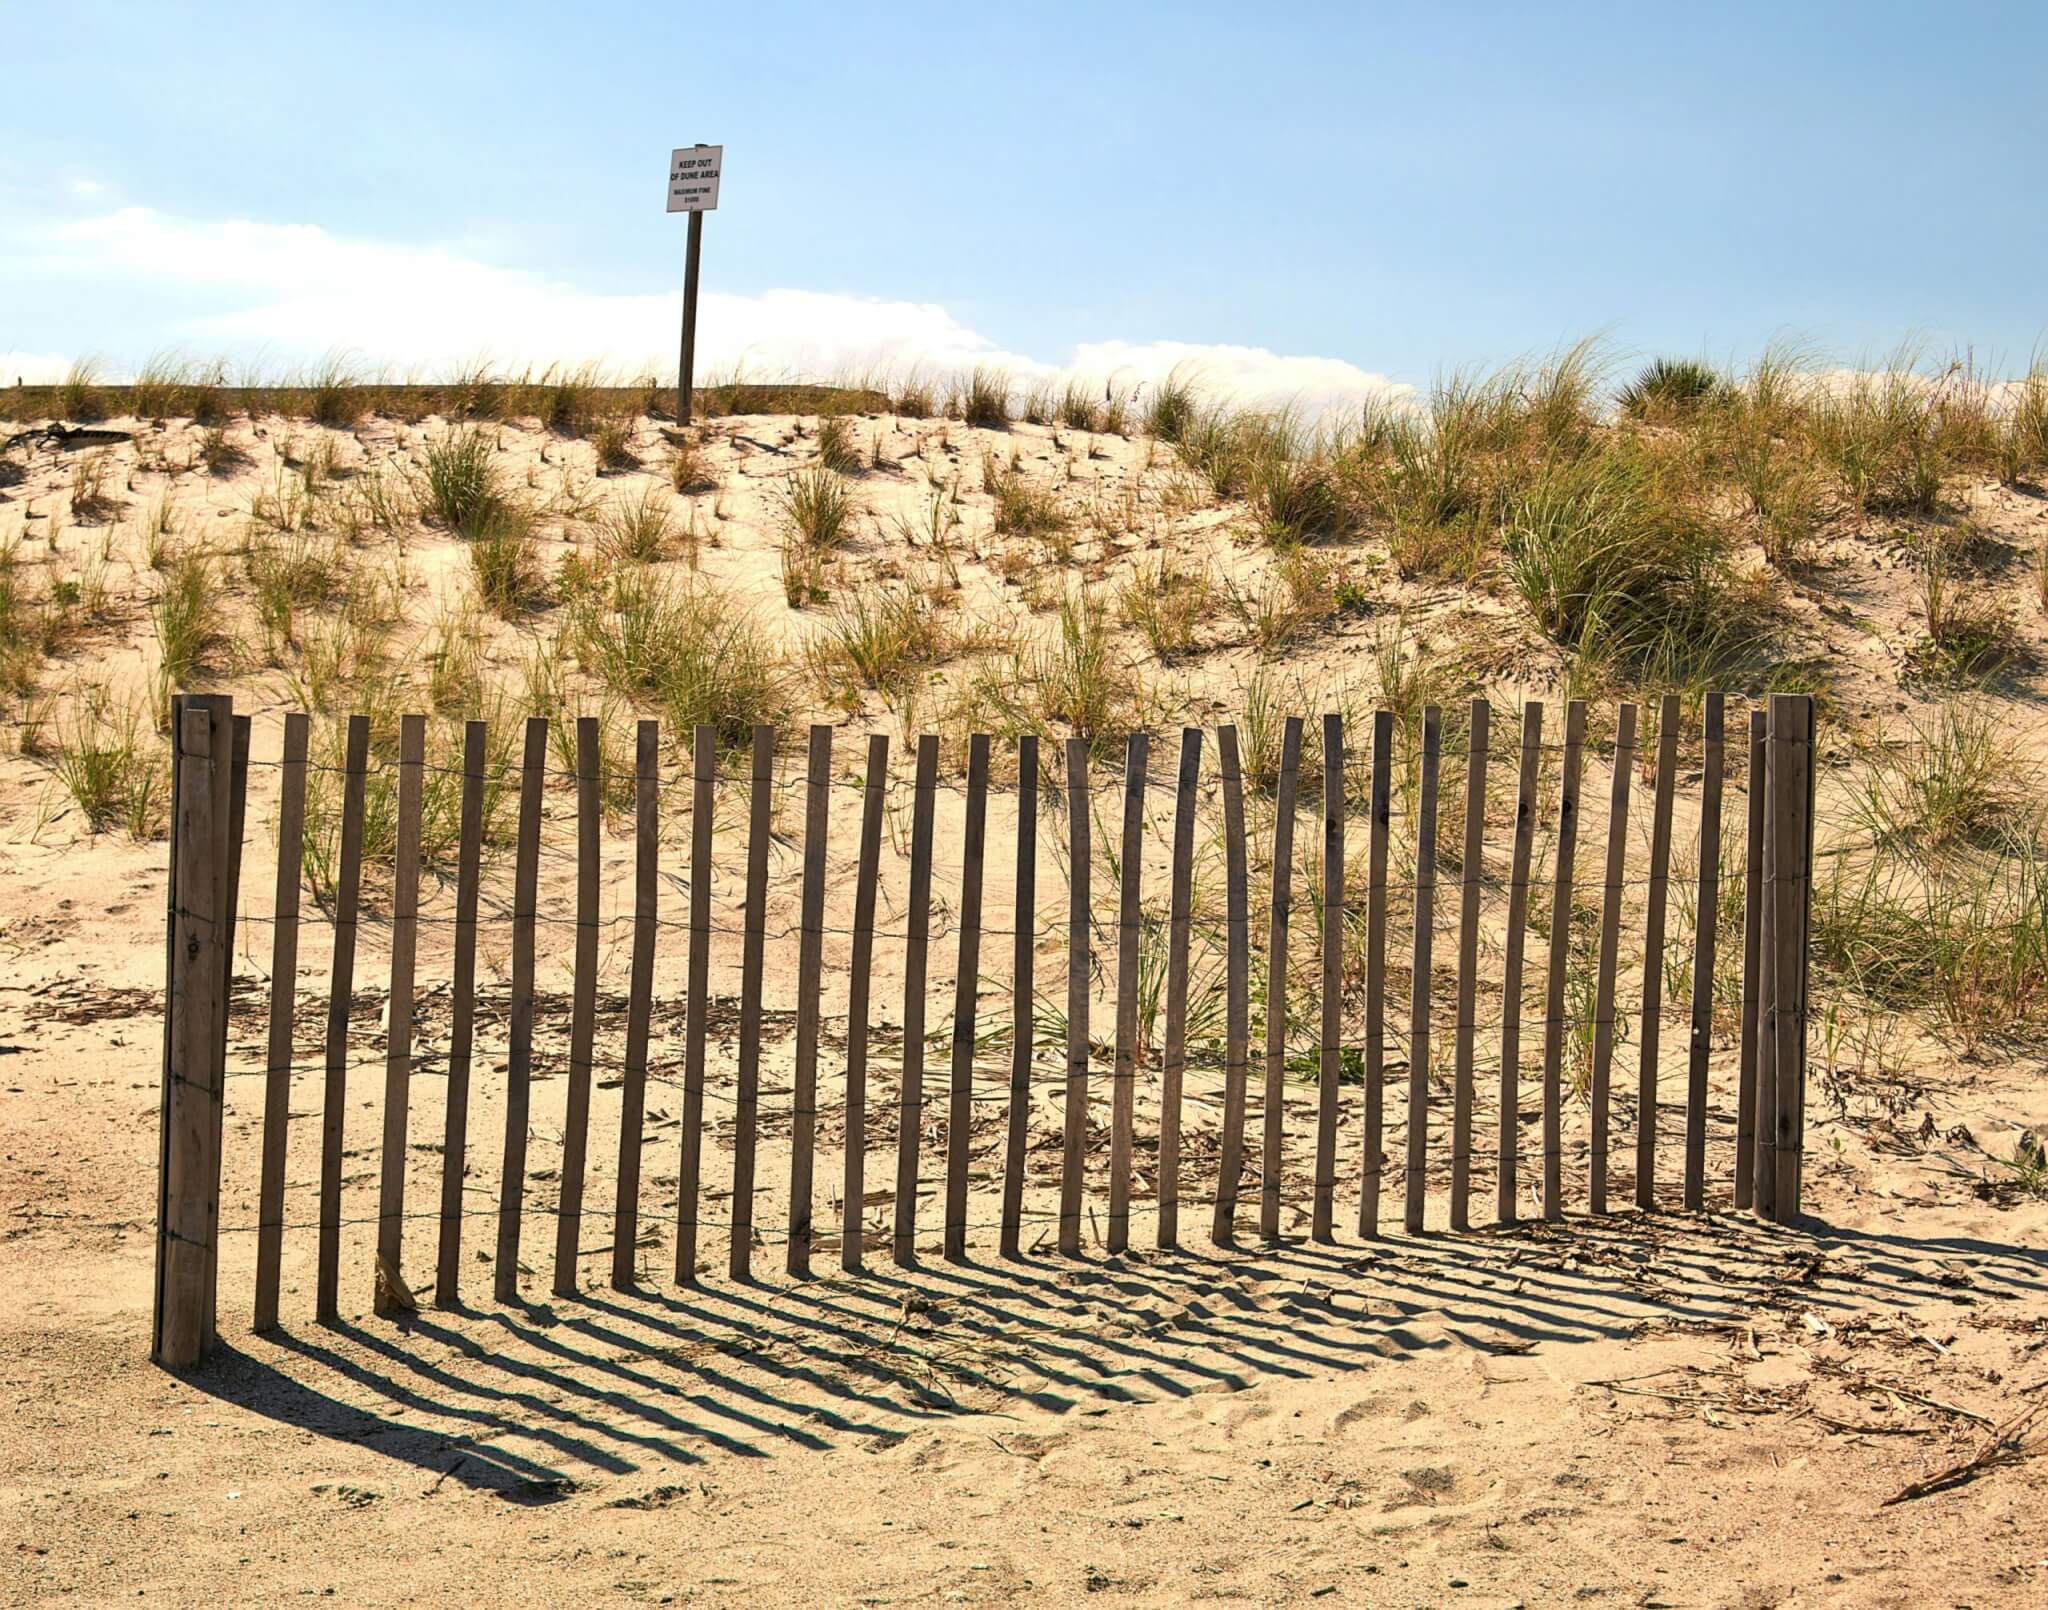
[{"x": 1643, "y": 1409}]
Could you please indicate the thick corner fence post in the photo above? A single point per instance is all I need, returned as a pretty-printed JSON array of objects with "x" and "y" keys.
[
  {"x": 198, "y": 936},
  {"x": 1787, "y": 897}
]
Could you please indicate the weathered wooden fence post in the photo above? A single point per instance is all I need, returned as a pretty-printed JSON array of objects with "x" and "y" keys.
[
  {"x": 198, "y": 935},
  {"x": 1787, "y": 890}
]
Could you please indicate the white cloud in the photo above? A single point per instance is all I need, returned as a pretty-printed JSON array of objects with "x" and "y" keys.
[
  {"x": 33, "y": 368},
  {"x": 297, "y": 291}
]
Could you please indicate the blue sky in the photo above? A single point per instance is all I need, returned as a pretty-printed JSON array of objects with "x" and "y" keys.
[{"x": 1384, "y": 190}]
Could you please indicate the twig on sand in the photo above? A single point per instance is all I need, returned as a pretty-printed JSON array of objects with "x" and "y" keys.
[{"x": 2009, "y": 1444}]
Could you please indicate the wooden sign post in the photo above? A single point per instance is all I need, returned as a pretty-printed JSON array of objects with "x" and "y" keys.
[{"x": 692, "y": 188}]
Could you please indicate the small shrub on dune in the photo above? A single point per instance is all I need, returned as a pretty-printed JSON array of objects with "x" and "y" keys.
[{"x": 1670, "y": 388}]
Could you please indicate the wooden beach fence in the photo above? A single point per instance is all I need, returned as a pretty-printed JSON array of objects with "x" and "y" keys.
[{"x": 1110, "y": 949}]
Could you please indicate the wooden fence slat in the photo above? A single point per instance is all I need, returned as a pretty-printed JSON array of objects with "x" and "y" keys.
[
  {"x": 747, "y": 1093},
  {"x": 405, "y": 911},
  {"x": 1505, "y": 1206},
  {"x": 238, "y": 810},
  {"x": 1023, "y": 941},
  {"x": 859, "y": 986},
  {"x": 583, "y": 1005},
  {"x": 1470, "y": 872},
  {"x": 966, "y": 993},
  {"x": 910, "y": 1091},
  {"x": 188, "y": 1180},
  {"x": 1808, "y": 774},
  {"x": 1380, "y": 805},
  {"x": 1599, "y": 1097},
  {"x": 462, "y": 1017},
  {"x": 1329, "y": 1062},
  {"x": 1707, "y": 922},
  {"x": 1074, "y": 1116},
  {"x": 810, "y": 967},
  {"x": 1421, "y": 966},
  {"x": 639, "y": 1000},
  {"x": 1237, "y": 988},
  {"x": 1560, "y": 959},
  {"x": 1271, "y": 1151},
  {"x": 689, "y": 1167},
  {"x": 340, "y": 998},
  {"x": 284, "y": 995},
  {"x": 1753, "y": 926},
  {"x": 1653, "y": 953},
  {"x": 533, "y": 768},
  {"x": 1180, "y": 917},
  {"x": 1123, "y": 1078},
  {"x": 1791, "y": 755}
]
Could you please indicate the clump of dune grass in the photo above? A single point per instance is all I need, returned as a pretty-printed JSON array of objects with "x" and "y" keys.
[
  {"x": 504, "y": 556},
  {"x": 612, "y": 440},
  {"x": 288, "y": 571},
  {"x": 461, "y": 482},
  {"x": 687, "y": 470},
  {"x": 78, "y": 393},
  {"x": 1076, "y": 409},
  {"x": 2022, "y": 428},
  {"x": 1173, "y": 407},
  {"x": 89, "y": 499},
  {"x": 883, "y": 638},
  {"x": 836, "y": 449},
  {"x": 218, "y": 452},
  {"x": 115, "y": 776},
  {"x": 817, "y": 509},
  {"x": 1299, "y": 495},
  {"x": 985, "y": 398},
  {"x": 1954, "y": 780},
  {"x": 1670, "y": 388},
  {"x": 333, "y": 394},
  {"x": 1166, "y": 604},
  {"x": 1024, "y": 508},
  {"x": 25, "y": 630},
  {"x": 567, "y": 400},
  {"x": 1082, "y": 679},
  {"x": 637, "y": 530},
  {"x": 1970, "y": 636},
  {"x": 686, "y": 647},
  {"x": 187, "y": 617}
]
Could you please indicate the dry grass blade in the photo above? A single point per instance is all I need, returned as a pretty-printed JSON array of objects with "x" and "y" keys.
[{"x": 2015, "y": 1442}]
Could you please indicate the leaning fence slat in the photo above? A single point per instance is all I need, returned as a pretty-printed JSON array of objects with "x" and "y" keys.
[
  {"x": 966, "y": 991},
  {"x": 1707, "y": 912},
  {"x": 810, "y": 966},
  {"x": 1024, "y": 936},
  {"x": 1329, "y": 1063},
  {"x": 1380, "y": 806},
  {"x": 583, "y": 1006},
  {"x": 284, "y": 972},
  {"x": 1237, "y": 988},
  {"x": 1422, "y": 964},
  {"x": 1074, "y": 1118},
  {"x": 340, "y": 998},
  {"x": 910, "y": 1091},
  {"x": 1599, "y": 1096},
  {"x": 519, "y": 1047},
  {"x": 689, "y": 1166},
  {"x": 1173, "y": 1056},
  {"x": 1123, "y": 1086},
  {"x": 1653, "y": 953},
  {"x": 1471, "y": 869},
  {"x": 462, "y": 1018},
  {"x": 747, "y": 1091},
  {"x": 1505, "y": 1206},
  {"x": 859, "y": 982},
  {"x": 1753, "y": 925},
  {"x": 639, "y": 1000},
  {"x": 1560, "y": 956},
  {"x": 405, "y": 911},
  {"x": 1271, "y": 1151}
]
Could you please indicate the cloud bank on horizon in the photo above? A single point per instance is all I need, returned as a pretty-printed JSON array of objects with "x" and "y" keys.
[{"x": 287, "y": 294}]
